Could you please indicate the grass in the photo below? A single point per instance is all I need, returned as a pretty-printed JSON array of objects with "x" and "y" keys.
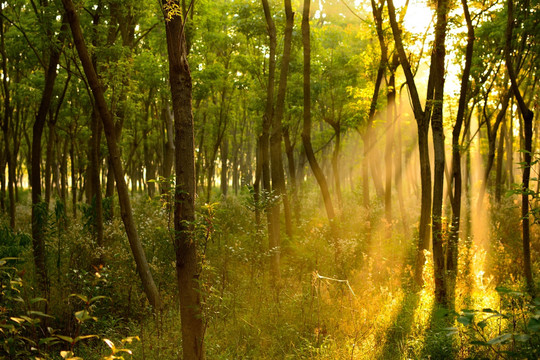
[{"x": 312, "y": 313}]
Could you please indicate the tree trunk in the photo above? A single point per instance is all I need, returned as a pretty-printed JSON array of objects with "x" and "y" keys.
[
  {"x": 7, "y": 158},
  {"x": 499, "y": 166},
  {"x": 422, "y": 119},
  {"x": 306, "y": 131},
  {"x": 527, "y": 129},
  {"x": 278, "y": 174},
  {"x": 224, "y": 152},
  {"x": 390, "y": 117},
  {"x": 274, "y": 238},
  {"x": 492, "y": 140},
  {"x": 187, "y": 261},
  {"x": 108, "y": 124},
  {"x": 289, "y": 151},
  {"x": 95, "y": 183},
  {"x": 39, "y": 211},
  {"x": 452, "y": 251},
  {"x": 439, "y": 52}
]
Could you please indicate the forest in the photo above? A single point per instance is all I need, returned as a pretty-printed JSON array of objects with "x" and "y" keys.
[{"x": 245, "y": 179}]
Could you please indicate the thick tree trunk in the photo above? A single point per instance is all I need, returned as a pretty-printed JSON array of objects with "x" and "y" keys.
[
  {"x": 187, "y": 262},
  {"x": 108, "y": 124},
  {"x": 306, "y": 131}
]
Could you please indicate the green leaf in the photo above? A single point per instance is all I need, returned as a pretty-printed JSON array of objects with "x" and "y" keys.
[
  {"x": 479, "y": 342},
  {"x": 82, "y": 297},
  {"x": 39, "y": 313},
  {"x": 482, "y": 324},
  {"x": 534, "y": 325},
  {"x": 96, "y": 298},
  {"x": 65, "y": 338},
  {"x": 38, "y": 299},
  {"x": 522, "y": 337},
  {"x": 84, "y": 315},
  {"x": 465, "y": 319},
  {"x": 491, "y": 311},
  {"x": 48, "y": 341},
  {"x": 500, "y": 339}
]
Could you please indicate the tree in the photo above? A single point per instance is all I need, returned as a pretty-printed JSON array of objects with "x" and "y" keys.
[
  {"x": 108, "y": 125},
  {"x": 528, "y": 116},
  {"x": 433, "y": 112},
  {"x": 306, "y": 131},
  {"x": 187, "y": 262}
]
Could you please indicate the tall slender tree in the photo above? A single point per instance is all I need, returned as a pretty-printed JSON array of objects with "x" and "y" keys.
[
  {"x": 187, "y": 262},
  {"x": 125, "y": 204}
]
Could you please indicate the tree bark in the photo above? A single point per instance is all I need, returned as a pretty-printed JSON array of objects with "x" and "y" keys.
[
  {"x": 422, "y": 120},
  {"x": 437, "y": 65},
  {"x": 527, "y": 129},
  {"x": 306, "y": 131},
  {"x": 278, "y": 174},
  {"x": 39, "y": 211},
  {"x": 108, "y": 124},
  {"x": 268, "y": 154},
  {"x": 456, "y": 180},
  {"x": 187, "y": 261}
]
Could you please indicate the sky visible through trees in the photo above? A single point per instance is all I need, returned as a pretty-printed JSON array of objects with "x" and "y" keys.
[{"x": 263, "y": 179}]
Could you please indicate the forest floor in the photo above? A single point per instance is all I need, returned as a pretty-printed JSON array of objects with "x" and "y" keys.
[{"x": 339, "y": 297}]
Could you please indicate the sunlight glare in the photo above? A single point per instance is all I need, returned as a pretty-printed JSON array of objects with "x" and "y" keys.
[{"x": 419, "y": 15}]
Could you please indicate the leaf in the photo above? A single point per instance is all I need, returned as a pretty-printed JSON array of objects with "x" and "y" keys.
[
  {"x": 500, "y": 339},
  {"x": 534, "y": 325},
  {"x": 83, "y": 337},
  {"x": 38, "y": 299},
  {"x": 479, "y": 342},
  {"x": 17, "y": 320},
  {"x": 465, "y": 319},
  {"x": 482, "y": 324},
  {"x": 490, "y": 311},
  {"x": 39, "y": 313},
  {"x": 65, "y": 338},
  {"x": 48, "y": 341},
  {"x": 96, "y": 298},
  {"x": 83, "y": 315},
  {"x": 522, "y": 337},
  {"x": 130, "y": 339},
  {"x": 82, "y": 297},
  {"x": 110, "y": 344}
]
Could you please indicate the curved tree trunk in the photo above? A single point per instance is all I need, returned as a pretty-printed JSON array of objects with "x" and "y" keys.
[
  {"x": 306, "y": 131},
  {"x": 125, "y": 205}
]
